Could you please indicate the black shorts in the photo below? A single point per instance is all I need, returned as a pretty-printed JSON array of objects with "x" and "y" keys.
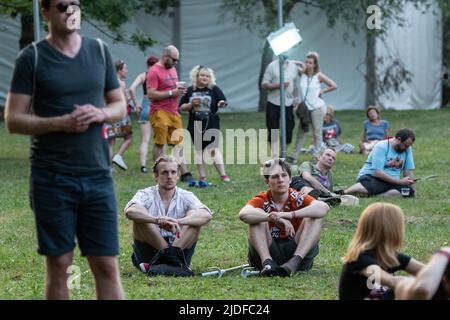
[
  {"x": 281, "y": 251},
  {"x": 273, "y": 120},
  {"x": 143, "y": 252},
  {"x": 68, "y": 207},
  {"x": 376, "y": 186}
]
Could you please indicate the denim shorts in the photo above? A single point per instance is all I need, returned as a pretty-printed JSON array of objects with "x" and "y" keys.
[
  {"x": 69, "y": 206},
  {"x": 144, "y": 115}
]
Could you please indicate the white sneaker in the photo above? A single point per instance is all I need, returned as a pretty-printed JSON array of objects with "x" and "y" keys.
[{"x": 117, "y": 160}]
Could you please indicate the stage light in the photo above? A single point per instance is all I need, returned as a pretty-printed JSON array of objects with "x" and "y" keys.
[{"x": 284, "y": 38}]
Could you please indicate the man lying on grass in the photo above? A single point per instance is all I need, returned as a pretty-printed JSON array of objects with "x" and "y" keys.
[
  {"x": 166, "y": 220},
  {"x": 284, "y": 225}
]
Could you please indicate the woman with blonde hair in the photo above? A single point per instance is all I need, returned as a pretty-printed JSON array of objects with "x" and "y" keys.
[
  {"x": 311, "y": 79},
  {"x": 372, "y": 256},
  {"x": 202, "y": 100}
]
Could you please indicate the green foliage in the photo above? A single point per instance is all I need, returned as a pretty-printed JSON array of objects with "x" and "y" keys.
[{"x": 223, "y": 242}]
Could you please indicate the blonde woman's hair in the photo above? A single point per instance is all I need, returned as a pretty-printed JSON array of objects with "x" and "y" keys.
[
  {"x": 315, "y": 56},
  {"x": 195, "y": 71},
  {"x": 380, "y": 228}
]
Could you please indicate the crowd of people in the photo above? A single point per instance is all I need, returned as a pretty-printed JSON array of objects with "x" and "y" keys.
[{"x": 75, "y": 122}]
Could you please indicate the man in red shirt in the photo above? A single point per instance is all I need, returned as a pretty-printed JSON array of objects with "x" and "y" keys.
[
  {"x": 163, "y": 90},
  {"x": 284, "y": 224}
]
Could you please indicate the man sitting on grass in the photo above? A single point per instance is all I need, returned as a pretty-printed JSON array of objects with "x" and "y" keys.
[
  {"x": 381, "y": 173},
  {"x": 284, "y": 225},
  {"x": 166, "y": 220},
  {"x": 317, "y": 180}
]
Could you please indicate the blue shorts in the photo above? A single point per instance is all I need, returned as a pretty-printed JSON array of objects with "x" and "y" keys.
[
  {"x": 143, "y": 116},
  {"x": 68, "y": 206}
]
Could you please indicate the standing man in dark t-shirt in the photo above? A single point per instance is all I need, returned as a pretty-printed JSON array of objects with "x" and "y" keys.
[{"x": 75, "y": 91}]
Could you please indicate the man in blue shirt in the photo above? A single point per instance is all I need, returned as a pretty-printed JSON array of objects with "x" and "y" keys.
[{"x": 381, "y": 173}]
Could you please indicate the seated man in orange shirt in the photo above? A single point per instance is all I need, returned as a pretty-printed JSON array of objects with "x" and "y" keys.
[{"x": 284, "y": 224}]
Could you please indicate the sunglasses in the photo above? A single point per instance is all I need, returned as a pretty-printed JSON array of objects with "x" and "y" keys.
[
  {"x": 62, "y": 7},
  {"x": 173, "y": 59}
]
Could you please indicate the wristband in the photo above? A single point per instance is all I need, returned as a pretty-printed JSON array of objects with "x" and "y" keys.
[
  {"x": 443, "y": 253},
  {"x": 170, "y": 93},
  {"x": 104, "y": 113},
  {"x": 293, "y": 215}
]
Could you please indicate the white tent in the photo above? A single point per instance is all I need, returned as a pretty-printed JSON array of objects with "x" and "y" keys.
[{"x": 235, "y": 54}]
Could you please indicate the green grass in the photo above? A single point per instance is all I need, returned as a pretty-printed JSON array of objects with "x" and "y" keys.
[{"x": 223, "y": 242}]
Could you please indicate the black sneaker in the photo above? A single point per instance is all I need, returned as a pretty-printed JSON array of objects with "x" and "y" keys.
[
  {"x": 332, "y": 200},
  {"x": 144, "y": 169},
  {"x": 187, "y": 177},
  {"x": 269, "y": 268},
  {"x": 291, "y": 160}
]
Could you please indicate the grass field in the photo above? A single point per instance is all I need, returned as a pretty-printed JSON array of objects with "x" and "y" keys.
[{"x": 223, "y": 242}]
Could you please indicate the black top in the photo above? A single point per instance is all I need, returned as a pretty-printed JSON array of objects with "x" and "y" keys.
[
  {"x": 208, "y": 99},
  {"x": 61, "y": 83},
  {"x": 144, "y": 85},
  {"x": 353, "y": 285}
]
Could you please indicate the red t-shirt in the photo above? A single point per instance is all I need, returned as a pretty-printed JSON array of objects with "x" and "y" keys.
[
  {"x": 296, "y": 200},
  {"x": 162, "y": 79}
]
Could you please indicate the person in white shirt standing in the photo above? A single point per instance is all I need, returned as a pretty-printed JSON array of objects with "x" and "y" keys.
[
  {"x": 271, "y": 83},
  {"x": 166, "y": 219},
  {"x": 311, "y": 80}
]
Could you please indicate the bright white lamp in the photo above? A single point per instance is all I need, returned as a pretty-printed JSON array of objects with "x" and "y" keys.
[{"x": 284, "y": 38}]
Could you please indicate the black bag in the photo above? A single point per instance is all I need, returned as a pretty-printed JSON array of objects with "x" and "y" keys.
[
  {"x": 202, "y": 115},
  {"x": 169, "y": 262},
  {"x": 168, "y": 270}
]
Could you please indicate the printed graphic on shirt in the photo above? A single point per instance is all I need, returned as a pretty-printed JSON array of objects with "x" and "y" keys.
[
  {"x": 205, "y": 100},
  {"x": 395, "y": 163}
]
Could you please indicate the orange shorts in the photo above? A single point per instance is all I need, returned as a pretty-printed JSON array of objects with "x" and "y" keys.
[{"x": 164, "y": 124}]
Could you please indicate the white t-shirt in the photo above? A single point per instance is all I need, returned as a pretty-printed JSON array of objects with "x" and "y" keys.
[
  {"x": 272, "y": 76},
  {"x": 181, "y": 202}
]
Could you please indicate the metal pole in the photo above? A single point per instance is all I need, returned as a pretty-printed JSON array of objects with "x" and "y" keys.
[
  {"x": 282, "y": 102},
  {"x": 37, "y": 23}
]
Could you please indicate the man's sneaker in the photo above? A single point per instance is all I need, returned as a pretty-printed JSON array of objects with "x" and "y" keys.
[
  {"x": 291, "y": 159},
  {"x": 332, "y": 200},
  {"x": 144, "y": 169},
  {"x": 269, "y": 268},
  {"x": 225, "y": 178},
  {"x": 187, "y": 177},
  {"x": 117, "y": 160},
  {"x": 144, "y": 266}
]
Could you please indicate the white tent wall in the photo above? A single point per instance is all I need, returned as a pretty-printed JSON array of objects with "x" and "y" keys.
[
  {"x": 418, "y": 44},
  {"x": 235, "y": 54},
  {"x": 9, "y": 47},
  {"x": 339, "y": 60}
]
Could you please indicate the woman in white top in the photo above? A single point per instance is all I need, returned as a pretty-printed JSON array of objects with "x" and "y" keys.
[{"x": 311, "y": 80}]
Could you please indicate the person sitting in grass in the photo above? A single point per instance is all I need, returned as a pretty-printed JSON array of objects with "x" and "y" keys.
[
  {"x": 284, "y": 225},
  {"x": 381, "y": 172},
  {"x": 166, "y": 219},
  {"x": 372, "y": 256},
  {"x": 317, "y": 180},
  {"x": 431, "y": 283}
]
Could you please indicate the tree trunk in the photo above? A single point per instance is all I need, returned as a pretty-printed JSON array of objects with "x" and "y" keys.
[
  {"x": 27, "y": 30},
  {"x": 266, "y": 59},
  {"x": 176, "y": 31},
  {"x": 371, "y": 71}
]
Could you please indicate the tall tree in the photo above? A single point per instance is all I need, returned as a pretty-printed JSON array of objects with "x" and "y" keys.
[
  {"x": 260, "y": 16},
  {"x": 108, "y": 16}
]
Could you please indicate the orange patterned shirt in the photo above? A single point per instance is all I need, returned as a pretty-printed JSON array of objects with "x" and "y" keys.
[{"x": 296, "y": 200}]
